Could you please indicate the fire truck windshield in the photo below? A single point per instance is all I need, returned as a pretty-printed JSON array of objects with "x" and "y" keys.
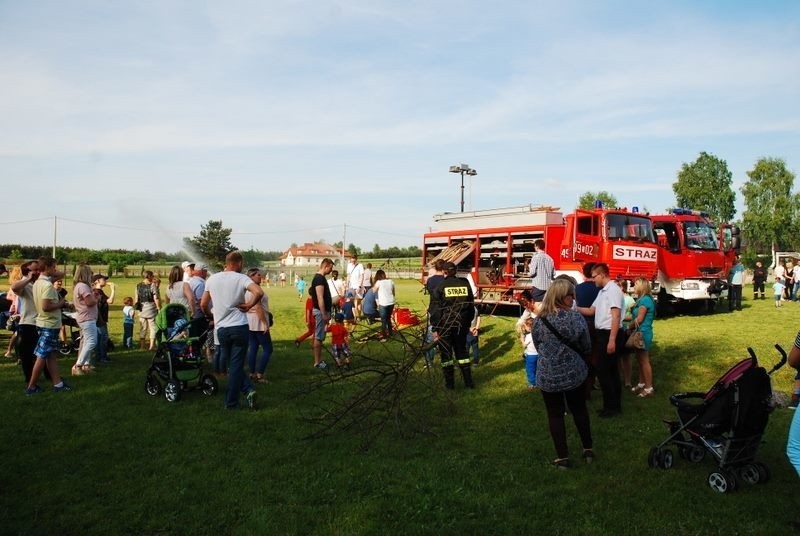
[
  {"x": 700, "y": 235},
  {"x": 628, "y": 227}
]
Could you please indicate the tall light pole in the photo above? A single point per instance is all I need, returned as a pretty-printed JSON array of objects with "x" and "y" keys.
[{"x": 464, "y": 169}]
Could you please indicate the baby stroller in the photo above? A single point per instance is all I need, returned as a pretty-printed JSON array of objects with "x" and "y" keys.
[
  {"x": 727, "y": 422},
  {"x": 72, "y": 342},
  {"x": 178, "y": 359}
]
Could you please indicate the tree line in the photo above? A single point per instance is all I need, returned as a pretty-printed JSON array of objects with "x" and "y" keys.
[
  {"x": 211, "y": 244},
  {"x": 771, "y": 218}
]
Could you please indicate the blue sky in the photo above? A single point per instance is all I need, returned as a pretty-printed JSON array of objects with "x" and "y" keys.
[{"x": 288, "y": 120}]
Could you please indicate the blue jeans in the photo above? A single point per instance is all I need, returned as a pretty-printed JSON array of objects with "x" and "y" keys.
[
  {"x": 530, "y": 368},
  {"x": 472, "y": 346},
  {"x": 232, "y": 349},
  {"x": 220, "y": 367},
  {"x": 127, "y": 334},
  {"x": 386, "y": 318},
  {"x": 102, "y": 343},
  {"x": 259, "y": 338}
]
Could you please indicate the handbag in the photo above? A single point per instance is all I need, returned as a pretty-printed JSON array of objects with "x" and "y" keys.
[{"x": 635, "y": 340}]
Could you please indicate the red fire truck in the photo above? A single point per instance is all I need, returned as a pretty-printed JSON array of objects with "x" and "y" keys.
[
  {"x": 694, "y": 257},
  {"x": 493, "y": 247}
]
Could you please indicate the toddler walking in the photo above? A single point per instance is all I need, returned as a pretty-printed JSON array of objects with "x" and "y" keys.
[
  {"x": 777, "y": 291},
  {"x": 531, "y": 355},
  {"x": 339, "y": 335}
]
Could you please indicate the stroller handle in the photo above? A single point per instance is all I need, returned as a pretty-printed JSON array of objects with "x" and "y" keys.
[
  {"x": 679, "y": 401},
  {"x": 780, "y": 363}
]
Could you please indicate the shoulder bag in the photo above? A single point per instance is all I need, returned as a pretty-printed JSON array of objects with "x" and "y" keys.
[{"x": 635, "y": 339}]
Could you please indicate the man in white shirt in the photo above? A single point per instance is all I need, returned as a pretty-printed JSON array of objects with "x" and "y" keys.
[
  {"x": 607, "y": 312},
  {"x": 227, "y": 290},
  {"x": 355, "y": 278},
  {"x": 796, "y": 276}
]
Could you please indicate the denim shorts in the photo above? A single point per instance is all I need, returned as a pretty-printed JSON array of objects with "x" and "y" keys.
[
  {"x": 48, "y": 342},
  {"x": 319, "y": 325}
]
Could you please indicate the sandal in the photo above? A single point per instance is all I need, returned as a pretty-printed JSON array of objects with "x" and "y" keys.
[
  {"x": 562, "y": 463},
  {"x": 646, "y": 393},
  {"x": 260, "y": 379},
  {"x": 638, "y": 389},
  {"x": 588, "y": 455}
]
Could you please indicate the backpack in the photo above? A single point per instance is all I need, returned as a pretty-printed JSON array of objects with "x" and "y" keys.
[{"x": 144, "y": 294}]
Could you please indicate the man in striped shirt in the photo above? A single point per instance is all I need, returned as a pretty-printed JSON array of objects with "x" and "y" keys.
[{"x": 542, "y": 270}]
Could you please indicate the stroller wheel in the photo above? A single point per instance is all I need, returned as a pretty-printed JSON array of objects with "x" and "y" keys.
[
  {"x": 152, "y": 386},
  {"x": 763, "y": 472},
  {"x": 733, "y": 480},
  {"x": 65, "y": 348},
  {"x": 653, "y": 458},
  {"x": 719, "y": 481},
  {"x": 209, "y": 385},
  {"x": 666, "y": 459},
  {"x": 695, "y": 454},
  {"x": 749, "y": 473},
  {"x": 172, "y": 391}
]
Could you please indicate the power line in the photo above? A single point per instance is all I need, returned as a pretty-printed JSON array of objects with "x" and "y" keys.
[{"x": 24, "y": 221}]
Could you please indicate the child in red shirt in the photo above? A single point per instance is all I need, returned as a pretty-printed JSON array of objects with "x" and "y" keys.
[
  {"x": 339, "y": 336},
  {"x": 310, "y": 323}
]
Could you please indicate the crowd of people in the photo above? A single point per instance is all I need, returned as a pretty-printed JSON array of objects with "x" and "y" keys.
[
  {"x": 573, "y": 335},
  {"x": 336, "y": 306}
]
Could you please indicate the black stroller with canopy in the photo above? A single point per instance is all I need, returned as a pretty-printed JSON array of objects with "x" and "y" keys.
[{"x": 726, "y": 422}]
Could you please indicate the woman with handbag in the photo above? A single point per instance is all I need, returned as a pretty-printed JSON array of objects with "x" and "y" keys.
[
  {"x": 561, "y": 336},
  {"x": 644, "y": 311}
]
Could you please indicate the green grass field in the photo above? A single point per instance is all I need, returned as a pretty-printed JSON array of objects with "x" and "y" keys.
[{"x": 109, "y": 459}]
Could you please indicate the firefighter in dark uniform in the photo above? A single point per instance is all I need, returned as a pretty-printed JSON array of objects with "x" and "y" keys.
[
  {"x": 759, "y": 278},
  {"x": 452, "y": 310}
]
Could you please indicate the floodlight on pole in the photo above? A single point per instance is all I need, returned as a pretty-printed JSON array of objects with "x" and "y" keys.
[{"x": 463, "y": 169}]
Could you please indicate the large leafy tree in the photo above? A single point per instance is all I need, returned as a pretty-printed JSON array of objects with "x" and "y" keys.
[
  {"x": 213, "y": 243},
  {"x": 772, "y": 210},
  {"x": 586, "y": 201},
  {"x": 705, "y": 184}
]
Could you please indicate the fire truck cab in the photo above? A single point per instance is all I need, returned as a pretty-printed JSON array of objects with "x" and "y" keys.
[
  {"x": 694, "y": 258},
  {"x": 493, "y": 248}
]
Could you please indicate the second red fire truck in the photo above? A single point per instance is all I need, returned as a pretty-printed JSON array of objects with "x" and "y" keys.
[{"x": 694, "y": 258}]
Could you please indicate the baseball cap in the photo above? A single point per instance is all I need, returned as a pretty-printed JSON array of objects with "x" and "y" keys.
[
  {"x": 95, "y": 277},
  {"x": 449, "y": 267},
  {"x": 186, "y": 264},
  {"x": 200, "y": 266}
]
